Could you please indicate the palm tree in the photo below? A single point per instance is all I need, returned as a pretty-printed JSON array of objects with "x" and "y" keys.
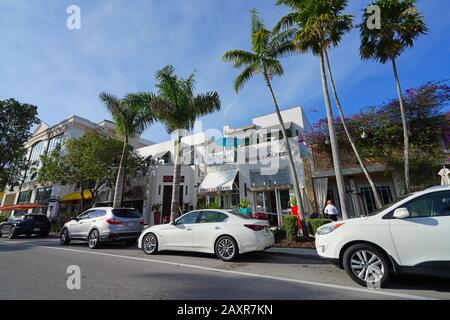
[
  {"x": 320, "y": 25},
  {"x": 401, "y": 24},
  {"x": 177, "y": 107},
  {"x": 342, "y": 24},
  {"x": 131, "y": 120},
  {"x": 267, "y": 48}
]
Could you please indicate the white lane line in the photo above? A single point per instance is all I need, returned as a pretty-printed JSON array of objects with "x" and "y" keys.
[{"x": 245, "y": 274}]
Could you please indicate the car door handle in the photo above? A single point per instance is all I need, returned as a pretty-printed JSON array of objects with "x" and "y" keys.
[
  {"x": 217, "y": 228},
  {"x": 188, "y": 229}
]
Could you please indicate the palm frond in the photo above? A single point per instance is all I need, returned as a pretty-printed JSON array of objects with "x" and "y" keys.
[
  {"x": 244, "y": 77},
  {"x": 240, "y": 57}
]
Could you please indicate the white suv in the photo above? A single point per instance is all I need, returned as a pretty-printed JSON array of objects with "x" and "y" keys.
[
  {"x": 410, "y": 235},
  {"x": 99, "y": 225}
]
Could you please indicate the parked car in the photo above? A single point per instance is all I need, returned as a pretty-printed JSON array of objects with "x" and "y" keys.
[
  {"x": 98, "y": 225},
  {"x": 410, "y": 235},
  {"x": 218, "y": 232},
  {"x": 29, "y": 224}
]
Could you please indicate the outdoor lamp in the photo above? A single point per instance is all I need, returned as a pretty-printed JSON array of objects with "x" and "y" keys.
[{"x": 364, "y": 135}]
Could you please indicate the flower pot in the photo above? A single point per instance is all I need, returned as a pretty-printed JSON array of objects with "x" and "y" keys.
[{"x": 157, "y": 217}]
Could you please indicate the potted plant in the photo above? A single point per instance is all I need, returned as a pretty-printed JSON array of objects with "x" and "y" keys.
[
  {"x": 187, "y": 207},
  {"x": 244, "y": 206},
  {"x": 156, "y": 213},
  {"x": 260, "y": 216}
]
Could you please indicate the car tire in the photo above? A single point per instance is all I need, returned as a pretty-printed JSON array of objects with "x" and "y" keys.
[
  {"x": 12, "y": 233},
  {"x": 226, "y": 248},
  {"x": 94, "y": 239},
  {"x": 150, "y": 244},
  {"x": 367, "y": 265},
  {"x": 64, "y": 238}
]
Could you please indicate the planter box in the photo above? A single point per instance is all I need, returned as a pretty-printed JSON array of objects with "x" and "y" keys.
[{"x": 245, "y": 210}]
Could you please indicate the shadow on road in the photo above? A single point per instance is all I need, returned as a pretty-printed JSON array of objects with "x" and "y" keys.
[{"x": 419, "y": 282}]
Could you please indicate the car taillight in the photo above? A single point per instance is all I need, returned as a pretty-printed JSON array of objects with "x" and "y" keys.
[
  {"x": 255, "y": 227},
  {"x": 141, "y": 222},
  {"x": 112, "y": 221}
]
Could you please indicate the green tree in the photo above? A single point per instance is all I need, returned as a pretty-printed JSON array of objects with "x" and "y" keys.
[
  {"x": 328, "y": 15},
  {"x": 178, "y": 107},
  {"x": 401, "y": 25},
  {"x": 90, "y": 160},
  {"x": 320, "y": 25},
  {"x": 131, "y": 119},
  {"x": 16, "y": 121},
  {"x": 426, "y": 109},
  {"x": 267, "y": 48}
]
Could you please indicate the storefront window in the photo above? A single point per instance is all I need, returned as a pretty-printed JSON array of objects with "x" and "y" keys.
[{"x": 43, "y": 197}]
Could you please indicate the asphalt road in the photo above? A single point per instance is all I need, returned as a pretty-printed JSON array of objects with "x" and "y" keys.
[{"x": 36, "y": 269}]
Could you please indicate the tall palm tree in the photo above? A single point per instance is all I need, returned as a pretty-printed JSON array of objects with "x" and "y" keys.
[
  {"x": 178, "y": 107},
  {"x": 320, "y": 25},
  {"x": 267, "y": 48},
  {"x": 131, "y": 120},
  {"x": 340, "y": 24},
  {"x": 401, "y": 24}
]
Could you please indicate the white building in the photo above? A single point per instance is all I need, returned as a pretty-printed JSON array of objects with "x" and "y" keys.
[
  {"x": 44, "y": 140},
  {"x": 251, "y": 162}
]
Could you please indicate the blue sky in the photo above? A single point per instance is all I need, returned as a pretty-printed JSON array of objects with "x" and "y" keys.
[{"x": 122, "y": 43}]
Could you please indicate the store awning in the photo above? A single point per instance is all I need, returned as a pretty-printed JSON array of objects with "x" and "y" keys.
[
  {"x": 218, "y": 181},
  {"x": 22, "y": 206},
  {"x": 75, "y": 196}
]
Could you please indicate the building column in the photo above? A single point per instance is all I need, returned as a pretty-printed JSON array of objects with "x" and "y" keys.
[{"x": 278, "y": 204}]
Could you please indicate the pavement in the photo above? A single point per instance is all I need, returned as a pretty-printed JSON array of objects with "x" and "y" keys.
[{"x": 37, "y": 268}]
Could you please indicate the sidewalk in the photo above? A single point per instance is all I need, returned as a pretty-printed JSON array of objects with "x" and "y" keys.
[{"x": 294, "y": 251}]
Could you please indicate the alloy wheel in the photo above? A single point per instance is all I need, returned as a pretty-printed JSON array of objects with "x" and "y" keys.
[
  {"x": 367, "y": 266},
  {"x": 93, "y": 239},
  {"x": 150, "y": 243},
  {"x": 226, "y": 249}
]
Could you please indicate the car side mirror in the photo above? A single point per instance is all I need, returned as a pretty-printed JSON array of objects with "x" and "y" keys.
[
  {"x": 401, "y": 213},
  {"x": 75, "y": 219}
]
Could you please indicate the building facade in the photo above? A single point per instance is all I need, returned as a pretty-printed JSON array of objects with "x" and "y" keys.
[{"x": 44, "y": 140}]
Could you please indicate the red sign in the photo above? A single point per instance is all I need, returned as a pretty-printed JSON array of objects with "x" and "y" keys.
[{"x": 170, "y": 179}]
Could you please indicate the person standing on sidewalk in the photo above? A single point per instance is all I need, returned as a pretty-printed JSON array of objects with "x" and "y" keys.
[{"x": 330, "y": 211}]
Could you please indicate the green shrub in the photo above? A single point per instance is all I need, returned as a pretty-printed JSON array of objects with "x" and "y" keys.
[
  {"x": 314, "y": 224},
  {"x": 279, "y": 234},
  {"x": 3, "y": 217},
  {"x": 291, "y": 226}
]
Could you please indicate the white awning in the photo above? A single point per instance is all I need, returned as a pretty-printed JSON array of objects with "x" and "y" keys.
[{"x": 218, "y": 181}]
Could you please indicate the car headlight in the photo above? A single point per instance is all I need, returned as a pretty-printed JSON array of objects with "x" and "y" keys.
[{"x": 328, "y": 228}]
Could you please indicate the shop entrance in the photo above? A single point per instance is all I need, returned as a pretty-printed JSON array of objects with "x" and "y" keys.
[{"x": 167, "y": 199}]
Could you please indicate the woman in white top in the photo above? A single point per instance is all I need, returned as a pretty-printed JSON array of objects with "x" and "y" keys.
[{"x": 330, "y": 211}]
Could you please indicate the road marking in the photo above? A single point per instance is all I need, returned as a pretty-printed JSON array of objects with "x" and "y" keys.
[{"x": 192, "y": 266}]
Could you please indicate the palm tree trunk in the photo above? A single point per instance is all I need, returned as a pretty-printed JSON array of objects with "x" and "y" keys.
[
  {"x": 349, "y": 137},
  {"x": 175, "y": 208},
  {"x": 81, "y": 198},
  {"x": 291, "y": 159},
  {"x": 405, "y": 126},
  {"x": 333, "y": 140},
  {"x": 120, "y": 180}
]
